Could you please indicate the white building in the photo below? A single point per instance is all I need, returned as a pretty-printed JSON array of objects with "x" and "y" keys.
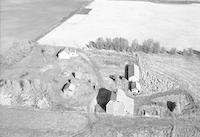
[
  {"x": 134, "y": 76},
  {"x": 67, "y": 54},
  {"x": 123, "y": 105},
  {"x": 115, "y": 108}
]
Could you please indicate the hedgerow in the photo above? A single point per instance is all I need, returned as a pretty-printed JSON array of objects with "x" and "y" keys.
[{"x": 120, "y": 44}]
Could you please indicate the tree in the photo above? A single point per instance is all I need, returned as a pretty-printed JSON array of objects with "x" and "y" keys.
[
  {"x": 188, "y": 52},
  {"x": 124, "y": 44},
  {"x": 92, "y": 44},
  {"x": 116, "y": 44},
  {"x": 191, "y": 51},
  {"x": 100, "y": 43},
  {"x": 156, "y": 47},
  {"x": 147, "y": 46},
  {"x": 120, "y": 44},
  {"x": 163, "y": 50},
  {"x": 134, "y": 45},
  {"x": 172, "y": 51},
  {"x": 108, "y": 44}
]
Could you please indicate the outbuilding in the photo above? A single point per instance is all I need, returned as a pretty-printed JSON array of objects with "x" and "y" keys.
[
  {"x": 115, "y": 108},
  {"x": 123, "y": 103},
  {"x": 132, "y": 72},
  {"x": 134, "y": 87},
  {"x": 66, "y": 54}
]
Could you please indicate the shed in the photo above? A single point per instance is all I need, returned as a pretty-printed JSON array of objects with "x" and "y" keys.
[
  {"x": 134, "y": 85},
  {"x": 127, "y": 101},
  {"x": 66, "y": 54},
  {"x": 115, "y": 108},
  {"x": 103, "y": 97},
  {"x": 132, "y": 72}
]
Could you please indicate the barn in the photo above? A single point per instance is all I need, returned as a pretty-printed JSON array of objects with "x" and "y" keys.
[
  {"x": 132, "y": 72},
  {"x": 123, "y": 105}
]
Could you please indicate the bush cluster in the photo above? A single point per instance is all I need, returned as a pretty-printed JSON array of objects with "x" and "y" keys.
[{"x": 122, "y": 44}]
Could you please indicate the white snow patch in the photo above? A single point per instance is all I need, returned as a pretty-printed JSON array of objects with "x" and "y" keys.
[{"x": 171, "y": 24}]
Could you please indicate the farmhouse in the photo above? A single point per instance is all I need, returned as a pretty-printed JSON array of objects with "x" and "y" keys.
[{"x": 123, "y": 105}]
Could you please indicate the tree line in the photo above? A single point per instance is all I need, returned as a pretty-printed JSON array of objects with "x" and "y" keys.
[{"x": 148, "y": 46}]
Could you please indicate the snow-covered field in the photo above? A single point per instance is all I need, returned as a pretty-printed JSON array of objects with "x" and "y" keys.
[{"x": 171, "y": 24}]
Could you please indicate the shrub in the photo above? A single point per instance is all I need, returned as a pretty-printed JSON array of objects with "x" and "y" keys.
[
  {"x": 163, "y": 50},
  {"x": 120, "y": 44},
  {"x": 188, "y": 52},
  {"x": 147, "y": 46},
  {"x": 134, "y": 45},
  {"x": 172, "y": 51},
  {"x": 92, "y": 44}
]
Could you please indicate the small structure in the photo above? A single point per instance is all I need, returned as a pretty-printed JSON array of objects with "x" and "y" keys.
[
  {"x": 68, "y": 89},
  {"x": 115, "y": 108},
  {"x": 79, "y": 75},
  {"x": 66, "y": 54},
  {"x": 134, "y": 87},
  {"x": 103, "y": 97},
  {"x": 132, "y": 72}
]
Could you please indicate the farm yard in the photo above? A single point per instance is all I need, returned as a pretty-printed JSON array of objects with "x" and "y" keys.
[
  {"x": 173, "y": 25},
  {"x": 57, "y": 86},
  {"x": 27, "y": 20},
  {"x": 33, "y": 88}
]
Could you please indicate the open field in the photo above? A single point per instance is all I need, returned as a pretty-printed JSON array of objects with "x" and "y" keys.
[
  {"x": 27, "y": 19},
  {"x": 45, "y": 95},
  {"x": 42, "y": 75},
  {"x": 178, "y": 27}
]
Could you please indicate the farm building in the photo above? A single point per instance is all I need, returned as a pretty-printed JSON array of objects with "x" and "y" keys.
[
  {"x": 104, "y": 96},
  {"x": 66, "y": 53},
  {"x": 68, "y": 89},
  {"x": 115, "y": 108},
  {"x": 132, "y": 75},
  {"x": 134, "y": 87},
  {"x": 123, "y": 105},
  {"x": 152, "y": 110},
  {"x": 132, "y": 72}
]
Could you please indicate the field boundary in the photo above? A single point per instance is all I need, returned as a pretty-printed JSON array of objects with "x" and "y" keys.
[{"x": 61, "y": 21}]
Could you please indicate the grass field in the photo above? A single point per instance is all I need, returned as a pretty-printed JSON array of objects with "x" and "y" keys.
[{"x": 27, "y": 19}]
